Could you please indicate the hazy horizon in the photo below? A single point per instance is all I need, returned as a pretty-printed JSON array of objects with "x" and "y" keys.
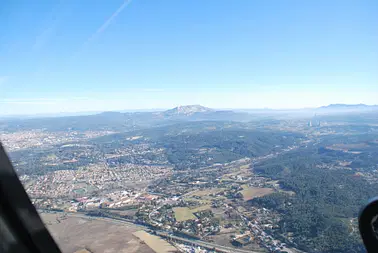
[{"x": 82, "y": 113}]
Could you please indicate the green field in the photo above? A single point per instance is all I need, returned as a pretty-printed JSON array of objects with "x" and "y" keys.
[
  {"x": 200, "y": 208},
  {"x": 183, "y": 214}
]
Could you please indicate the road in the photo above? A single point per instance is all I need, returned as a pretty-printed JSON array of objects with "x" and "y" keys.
[
  {"x": 200, "y": 243},
  {"x": 204, "y": 244}
]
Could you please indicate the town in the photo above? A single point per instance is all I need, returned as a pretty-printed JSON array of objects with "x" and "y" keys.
[{"x": 208, "y": 204}]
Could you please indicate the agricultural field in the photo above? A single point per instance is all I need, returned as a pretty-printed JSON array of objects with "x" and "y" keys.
[
  {"x": 186, "y": 213},
  {"x": 79, "y": 234},
  {"x": 154, "y": 242},
  {"x": 206, "y": 192},
  {"x": 254, "y": 192},
  {"x": 202, "y": 201},
  {"x": 204, "y": 197},
  {"x": 200, "y": 208},
  {"x": 183, "y": 214}
]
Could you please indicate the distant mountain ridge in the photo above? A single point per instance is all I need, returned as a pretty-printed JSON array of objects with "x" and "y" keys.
[
  {"x": 337, "y": 106},
  {"x": 125, "y": 121},
  {"x": 187, "y": 110}
]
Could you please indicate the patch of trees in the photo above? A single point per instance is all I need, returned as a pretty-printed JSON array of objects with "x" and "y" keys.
[
  {"x": 197, "y": 150},
  {"x": 35, "y": 161}
]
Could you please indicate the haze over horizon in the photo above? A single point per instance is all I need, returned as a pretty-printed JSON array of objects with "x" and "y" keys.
[
  {"x": 330, "y": 108},
  {"x": 64, "y": 57}
]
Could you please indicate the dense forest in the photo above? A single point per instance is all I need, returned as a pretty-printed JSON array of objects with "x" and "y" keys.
[
  {"x": 197, "y": 144},
  {"x": 197, "y": 150},
  {"x": 325, "y": 202}
]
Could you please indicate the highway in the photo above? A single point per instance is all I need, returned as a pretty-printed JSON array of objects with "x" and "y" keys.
[
  {"x": 200, "y": 243},
  {"x": 204, "y": 244}
]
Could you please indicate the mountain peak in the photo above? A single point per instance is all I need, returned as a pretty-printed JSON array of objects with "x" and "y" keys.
[{"x": 187, "y": 110}]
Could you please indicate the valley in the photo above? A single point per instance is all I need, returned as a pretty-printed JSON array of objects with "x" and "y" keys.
[{"x": 265, "y": 183}]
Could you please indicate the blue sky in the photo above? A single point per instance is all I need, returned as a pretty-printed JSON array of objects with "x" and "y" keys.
[{"x": 69, "y": 55}]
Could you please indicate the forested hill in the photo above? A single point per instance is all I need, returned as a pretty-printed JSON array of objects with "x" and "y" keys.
[
  {"x": 199, "y": 144},
  {"x": 326, "y": 202}
]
